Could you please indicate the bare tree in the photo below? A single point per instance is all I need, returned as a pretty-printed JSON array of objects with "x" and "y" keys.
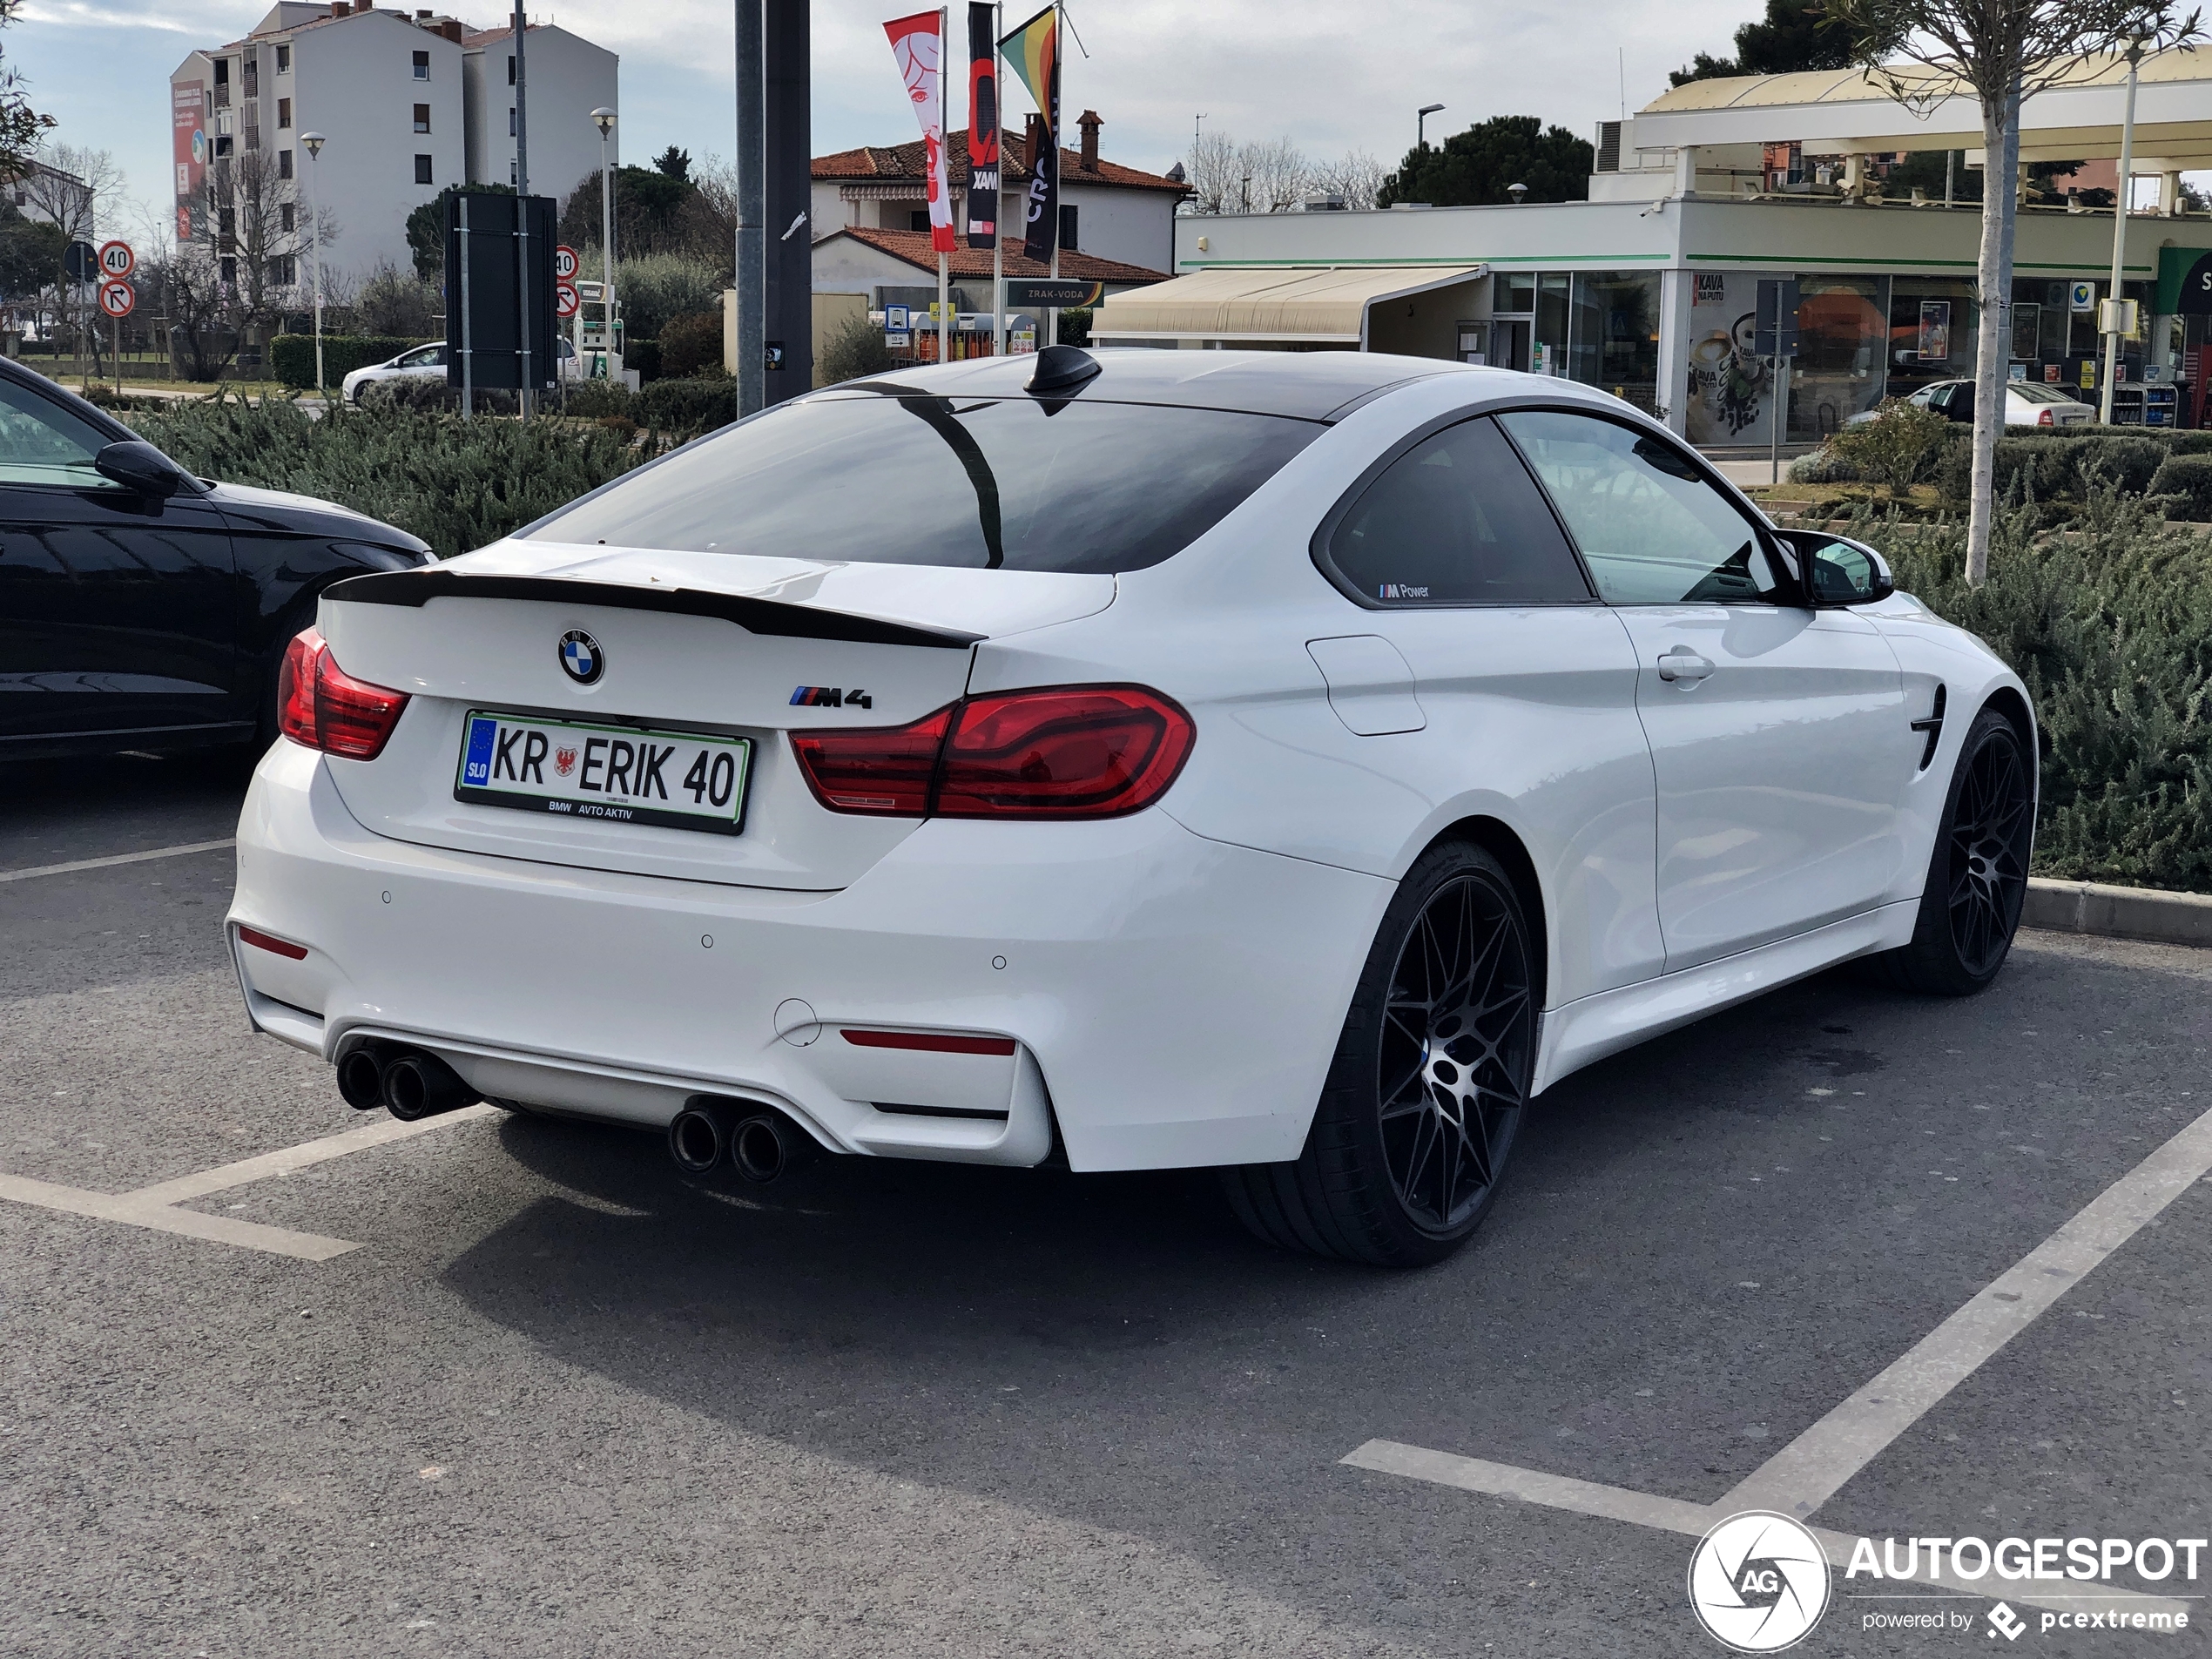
[
  {"x": 74, "y": 188},
  {"x": 2000, "y": 53},
  {"x": 1271, "y": 177},
  {"x": 1357, "y": 177}
]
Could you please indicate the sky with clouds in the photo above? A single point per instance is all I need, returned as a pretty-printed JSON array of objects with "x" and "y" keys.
[{"x": 1332, "y": 78}]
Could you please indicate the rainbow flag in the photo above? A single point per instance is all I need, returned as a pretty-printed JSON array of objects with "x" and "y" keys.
[{"x": 1033, "y": 50}]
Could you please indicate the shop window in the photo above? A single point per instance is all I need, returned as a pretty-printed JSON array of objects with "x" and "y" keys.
[
  {"x": 1614, "y": 334},
  {"x": 1512, "y": 294},
  {"x": 1843, "y": 347},
  {"x": 1933, "y": 331}
]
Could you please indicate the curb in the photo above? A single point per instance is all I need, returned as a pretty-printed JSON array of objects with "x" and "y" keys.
[{"x": 2118, "y": 912}]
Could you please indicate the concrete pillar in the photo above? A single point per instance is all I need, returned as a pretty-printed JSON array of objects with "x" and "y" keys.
[
  {"x": 1673, "y": 396},
  {"x": 2169, "y": 193},
  {"x": 1686, "y": 170}
]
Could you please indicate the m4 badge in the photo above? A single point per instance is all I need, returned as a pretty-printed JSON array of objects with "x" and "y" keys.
[{"x": 830, "y": 696}]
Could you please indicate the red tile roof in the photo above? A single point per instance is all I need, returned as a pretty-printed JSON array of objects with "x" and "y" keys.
[
  {"x": 904, "y": 161},
  {"x": 970, "y": 263}
]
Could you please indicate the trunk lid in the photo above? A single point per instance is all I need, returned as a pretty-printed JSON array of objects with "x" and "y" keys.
[{"x": 721, "y": 644}]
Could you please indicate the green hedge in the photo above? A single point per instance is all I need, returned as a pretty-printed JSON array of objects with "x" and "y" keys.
[
  {"x": 2109, "y": 624},
  {"x": 2183, "y": 488},
  {"x": 457, "y": 485},
  {"x": 291, "y": 357},
  {"x": 2124, "y": 458}
]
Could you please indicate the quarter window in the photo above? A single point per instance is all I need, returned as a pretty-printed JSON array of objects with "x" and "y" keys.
[
  {"x": 1456, "y": 520},
  {"x": 1652, "y": 528}
]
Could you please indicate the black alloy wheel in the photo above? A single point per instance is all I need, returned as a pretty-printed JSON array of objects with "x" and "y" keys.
[
  {"x": 1456, "y": 1044},
  {"x": 1978, "y": 877},
  {"x": 1429, "y": 1082}
]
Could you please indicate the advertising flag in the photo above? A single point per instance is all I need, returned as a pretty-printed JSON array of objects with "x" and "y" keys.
[
  {"x": 1033, "y": 52},
  {"x": 982, "y": 129},
  {"x": 918, "y": 44}
]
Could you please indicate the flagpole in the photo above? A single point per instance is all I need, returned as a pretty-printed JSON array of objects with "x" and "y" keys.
[
  {"x": 944, "y": 260},
  {"x": 1060, "y": 190},
  {"x": 999, "y": 334}
]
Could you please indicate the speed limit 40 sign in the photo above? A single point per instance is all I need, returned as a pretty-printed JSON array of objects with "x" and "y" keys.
[
  {"x": 117, "y": 298},
  {"x": 117, "y": 259},
  {"x": 564, "y": 263}
]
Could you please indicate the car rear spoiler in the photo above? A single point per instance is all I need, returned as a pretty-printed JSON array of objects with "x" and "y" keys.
[{"x": 415, "y": 588}]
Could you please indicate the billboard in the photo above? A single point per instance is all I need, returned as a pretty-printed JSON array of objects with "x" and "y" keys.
[{"x": 188, "y": 149}]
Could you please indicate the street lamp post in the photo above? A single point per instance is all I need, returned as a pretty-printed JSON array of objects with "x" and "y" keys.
[
  {"x": 603, "y": 119},
  {"x": 1420, "y": 124},
  {"x": 314, "y": 142},
  {"x": 2120, "y": 232}
]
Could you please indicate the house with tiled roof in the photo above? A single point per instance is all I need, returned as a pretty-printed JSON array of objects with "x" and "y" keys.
[{"x": 1120, "y": 215}]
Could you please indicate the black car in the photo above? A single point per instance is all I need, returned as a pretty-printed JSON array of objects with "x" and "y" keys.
[{"x": 142, "y": 607}]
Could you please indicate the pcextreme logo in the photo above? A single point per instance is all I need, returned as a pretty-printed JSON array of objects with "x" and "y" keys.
[{"x": 1759, "y": 1582}]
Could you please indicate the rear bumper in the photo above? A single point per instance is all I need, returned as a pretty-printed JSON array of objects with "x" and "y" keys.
[{"x": 1171, "y": 1001}]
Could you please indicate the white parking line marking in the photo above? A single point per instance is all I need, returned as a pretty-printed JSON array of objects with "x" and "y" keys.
[
  {"x": 120, "y": 858},
  {"x": 1693, "y": 1519},
  {"x": 1813, "y": 1467},
  {"x": 285, "y": 1160},
  {"x": 1809, "y": 1471},
  {"x": 222, "y": 1230},
  {"x": 154, "y": 1206}
]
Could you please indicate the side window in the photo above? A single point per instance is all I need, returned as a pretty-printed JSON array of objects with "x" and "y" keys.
[
  {"x": 1457, "y": 521},
  {"x": 1651, "y": 528},
  {"x": 42, "y": 443}
]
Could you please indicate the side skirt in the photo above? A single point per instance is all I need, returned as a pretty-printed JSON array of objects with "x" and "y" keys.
[{"x": 1593, "y": 1027}]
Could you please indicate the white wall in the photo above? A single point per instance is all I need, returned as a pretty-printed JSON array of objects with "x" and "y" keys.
[
  {"x": 352, "y": 80},
  {"x": 569, "y": 79}
]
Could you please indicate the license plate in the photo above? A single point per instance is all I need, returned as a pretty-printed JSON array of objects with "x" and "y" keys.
[{"x": 616, "y": 774}]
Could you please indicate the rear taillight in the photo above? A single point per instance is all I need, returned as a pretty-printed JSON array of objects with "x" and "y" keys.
[
  {"x": 1069, "y": 751},
  {"x": 324, "y": 707},
  {"x": 2046, "y": 418}
]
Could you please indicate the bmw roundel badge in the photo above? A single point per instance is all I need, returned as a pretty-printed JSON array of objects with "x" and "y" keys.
[{"x": 581, "y": 659}]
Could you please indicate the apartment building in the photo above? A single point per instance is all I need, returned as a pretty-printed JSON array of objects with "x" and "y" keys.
[
  {"x": 569, "y": 79},
  {"x": 402, "y": 102}
]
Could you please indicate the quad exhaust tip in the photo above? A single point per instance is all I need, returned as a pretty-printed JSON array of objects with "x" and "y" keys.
[
  {"x": 406, "y": 1082},
  {"x": 759, "y": 1143}
]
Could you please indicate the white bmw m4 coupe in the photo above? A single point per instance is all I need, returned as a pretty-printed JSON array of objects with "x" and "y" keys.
[{"x": 1288, "y": 764}]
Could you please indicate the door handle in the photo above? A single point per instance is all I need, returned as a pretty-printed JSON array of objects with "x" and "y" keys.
[{"x": 1682, "y": 663}]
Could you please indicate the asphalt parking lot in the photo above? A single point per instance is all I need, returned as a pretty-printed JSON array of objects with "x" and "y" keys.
[{"x": 551, "y": 1398}]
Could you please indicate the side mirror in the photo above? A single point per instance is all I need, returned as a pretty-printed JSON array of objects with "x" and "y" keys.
[
  {"x": 138, "y": 465},
  {"x": 1837, "y": 572}
]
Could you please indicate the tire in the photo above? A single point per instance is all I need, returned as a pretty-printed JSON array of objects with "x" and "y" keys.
[
  {"x": 1426, "y": 1091},
  {"x": 1978, "y": 875}
]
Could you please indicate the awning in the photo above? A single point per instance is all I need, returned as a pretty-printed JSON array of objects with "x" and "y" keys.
[{"x": 1302, "y": 305}]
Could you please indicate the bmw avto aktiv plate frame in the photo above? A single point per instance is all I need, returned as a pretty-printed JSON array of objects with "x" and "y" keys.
[{"x": 687, "y": 781}]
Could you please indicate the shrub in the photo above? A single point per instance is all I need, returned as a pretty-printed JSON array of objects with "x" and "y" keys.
[
  {"x": 2025, "y": 468},
  {"x": 2110, "y": 627},
  {"x": 1824, "y": 466},
  {"x": 2122, "y": 463},
  {"x": 2182, "y": 486},
  {"x": 1899, "y": 446},
  {"x": 1074, "y": 326},
  {"x": 654, "y": 289},
  {"x": 456, "y": 484},
  {"x": 682, "y": 410},
  {"x": 594, "y": 400},
  {"x": 691, "y": 346},
  {"x": 420, "y": 394},
  {"x": 643, "y": 356},
  {"x": 853, "y": 349},
  {"x": 291, "y": 357}
]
